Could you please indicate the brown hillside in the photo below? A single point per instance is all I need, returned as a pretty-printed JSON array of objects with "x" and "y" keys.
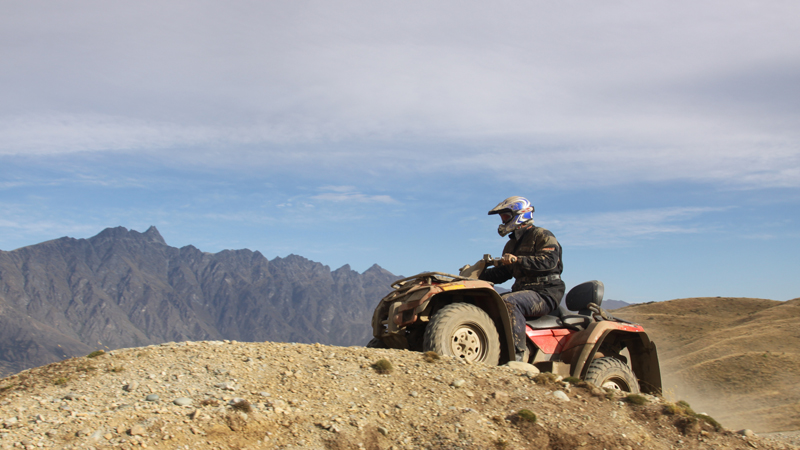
[{"x": 738, "y": 359}]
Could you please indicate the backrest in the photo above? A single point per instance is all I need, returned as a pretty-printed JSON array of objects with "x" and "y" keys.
[{"x": 579, "y": 297}]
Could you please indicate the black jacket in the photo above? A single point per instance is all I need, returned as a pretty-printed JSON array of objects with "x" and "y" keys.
[{"x": 538, "y": 255}]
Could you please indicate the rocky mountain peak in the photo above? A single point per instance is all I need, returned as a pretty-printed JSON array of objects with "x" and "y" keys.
[
  {"x": 122, "y": 288},
  {"x": 154, "y": 236},
  {"x": 120, "y": 233}
]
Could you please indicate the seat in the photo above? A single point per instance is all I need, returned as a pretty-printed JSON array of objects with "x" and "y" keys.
[{"x": 579, "y": 297}]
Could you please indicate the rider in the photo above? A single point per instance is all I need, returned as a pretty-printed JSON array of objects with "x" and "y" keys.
[{"x": 532, "y": 256}]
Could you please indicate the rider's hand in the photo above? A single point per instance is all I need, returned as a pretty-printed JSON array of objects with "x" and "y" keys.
[{"x": 507, "y": 259}]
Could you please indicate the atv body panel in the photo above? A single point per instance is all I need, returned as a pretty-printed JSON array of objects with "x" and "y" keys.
[{"x": 401, "y": 316}]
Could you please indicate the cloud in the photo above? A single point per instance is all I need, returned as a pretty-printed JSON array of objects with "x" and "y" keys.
[
  {"x": 349, "y": 194},
  {"x": 623, "y": 228},
  {"x": 609, "y": 94}
]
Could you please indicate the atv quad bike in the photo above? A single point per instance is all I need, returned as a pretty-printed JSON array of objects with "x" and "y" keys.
[{"x": 464, "y": 317}]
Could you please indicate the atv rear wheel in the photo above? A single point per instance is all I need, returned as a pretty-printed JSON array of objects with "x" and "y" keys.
[
  {"x": 612, "y": 373},
  {"x": 465, "y": 331}
]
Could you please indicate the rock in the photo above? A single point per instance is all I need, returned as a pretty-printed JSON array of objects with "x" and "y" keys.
[
  {"x": 383, "y": 431},
  {"x": 457, "y": 383},
  {"x": 414, "y": 394},
  {"x": 560, "y": 395},
  {"x": 130, "y": 387},
  {"x": 523, "y": 367},
  {"x": 277, "y": 403},
  {"x": 83, "y": 432},
  {"x": 182, "y": 401},
  {"x": 137, "y": 430},
  {"x": 746, "y": 432},
  {"x": 227, "y": 386},
  {"x": 97, "y": 435},
  {"x": 152, "y": 398}
]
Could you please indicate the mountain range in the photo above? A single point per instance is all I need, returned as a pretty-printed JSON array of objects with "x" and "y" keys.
[{"x": 121, "y": 288}]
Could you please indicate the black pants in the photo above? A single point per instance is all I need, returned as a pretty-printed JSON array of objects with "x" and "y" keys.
[{"x": 522, "y": 304}]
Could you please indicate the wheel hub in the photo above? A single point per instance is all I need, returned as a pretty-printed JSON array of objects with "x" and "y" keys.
[
  {"x": 468, "y": 343},
  {"x": 616, "y": 384}
]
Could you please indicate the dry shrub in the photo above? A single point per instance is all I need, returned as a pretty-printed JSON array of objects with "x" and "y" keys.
[
  {"x": 383, "y": 367},
  {"x": 96, "y": 353},
  {"x": 242, "y": 405},
  {"x": 545, "y": 378},
  {"x": 526, "y": 415},
  {"x": 689, "y": 422},
  {"x": 86, "y": 368},
  {"x": 431, "y": 356},
  {"x": 636, "y": 399}
]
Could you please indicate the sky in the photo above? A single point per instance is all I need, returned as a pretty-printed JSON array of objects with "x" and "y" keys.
[{"x": 659, "y": 141}]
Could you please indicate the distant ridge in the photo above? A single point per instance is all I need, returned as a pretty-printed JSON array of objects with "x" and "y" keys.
[
  {"x": 736, "y": 359},
  {"x": 122, "y": 288},
  {"x": 614, "y": 304}
]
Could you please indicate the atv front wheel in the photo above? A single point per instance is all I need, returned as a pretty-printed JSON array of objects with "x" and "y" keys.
[
  {"x": 376, "y": 343},
  {"x": 612, "y": 373},
  {"x": 465, "y": 331}
]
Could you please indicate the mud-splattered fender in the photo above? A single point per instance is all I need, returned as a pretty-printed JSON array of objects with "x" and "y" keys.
[{"x": 643, "y": 353}]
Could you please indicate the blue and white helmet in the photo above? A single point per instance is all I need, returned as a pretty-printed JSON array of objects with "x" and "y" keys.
[{"x": 514, "y": 212}]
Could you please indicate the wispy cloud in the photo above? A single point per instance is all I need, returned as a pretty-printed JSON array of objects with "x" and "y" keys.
[
  {"x": 624, "y": 228},
  {"x": 349, "y": 194}
]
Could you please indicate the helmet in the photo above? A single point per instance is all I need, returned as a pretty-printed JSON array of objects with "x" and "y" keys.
[{"x": 514, "y": 212}]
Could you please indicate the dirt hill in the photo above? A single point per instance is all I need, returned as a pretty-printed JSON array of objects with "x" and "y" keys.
[
  {"x": 230, "y": 395},
  {"x": 738, "y": 359}
]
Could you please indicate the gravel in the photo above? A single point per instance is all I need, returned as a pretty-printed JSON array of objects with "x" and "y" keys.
[{"x": 228, "y": 394}]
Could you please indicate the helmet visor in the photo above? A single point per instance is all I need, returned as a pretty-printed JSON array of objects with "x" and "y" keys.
[{"x": 506, "y": 216}]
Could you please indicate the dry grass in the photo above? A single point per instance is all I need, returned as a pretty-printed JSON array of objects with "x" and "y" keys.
[
  {"x": 526, "y": 415},
  {"x": 545, "y": 378},
  {"x": 729, "y": 356},
  {"x": 636, "y": 399},
  {"x": 431, "y": 357},
  {"x": 243, "y": 406}
]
